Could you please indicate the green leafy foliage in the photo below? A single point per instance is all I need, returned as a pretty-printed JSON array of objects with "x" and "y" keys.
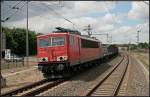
[
  {"x": 141, "y": 45},
  {"x": 16, "y": 40}
]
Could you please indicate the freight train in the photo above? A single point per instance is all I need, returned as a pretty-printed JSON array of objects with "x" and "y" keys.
[{"x": 63, "y": 51}]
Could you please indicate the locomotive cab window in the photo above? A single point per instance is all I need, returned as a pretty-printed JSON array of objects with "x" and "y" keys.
[
  {"x": 58, "y": 41},
  {"x": 43, "y": 42}
]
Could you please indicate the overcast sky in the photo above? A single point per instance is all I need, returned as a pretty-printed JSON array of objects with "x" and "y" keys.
[{"x": 120, "y": 19}]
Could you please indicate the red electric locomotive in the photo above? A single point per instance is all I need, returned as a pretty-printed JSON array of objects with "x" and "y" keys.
[{"x": 62, "y": 51}]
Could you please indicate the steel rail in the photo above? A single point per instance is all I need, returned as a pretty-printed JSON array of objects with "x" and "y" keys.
[
  {"x": 40, "y": 89},
  {"x": 34, "y": 85},
  {"x": 24, "y": 88},
  {"x": 43, "y": 88},
  {"x": 46, "y": 87},
  {"x": 103, "y": 80},
  {"x": 116, "y": 90}
]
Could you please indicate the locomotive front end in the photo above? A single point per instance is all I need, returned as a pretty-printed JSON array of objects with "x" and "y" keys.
[{"x": 52, "y": 52}]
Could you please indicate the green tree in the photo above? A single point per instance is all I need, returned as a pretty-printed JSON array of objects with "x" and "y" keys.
[
  {"x": 16, "y": 40},
  {"x": 144, "y": 45}
]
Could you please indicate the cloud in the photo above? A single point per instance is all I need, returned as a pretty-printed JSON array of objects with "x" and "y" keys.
[
  {"x": 47, "y": 24},
  {"x": 139, "y": 10},
  {"x": 126, "y": 34},
  {"x": 44, "y": 20},
  {"x": 90, "y": 6},
  {"x": 69, "y": 9}
]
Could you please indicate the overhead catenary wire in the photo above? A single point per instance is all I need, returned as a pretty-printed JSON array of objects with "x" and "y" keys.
[
  {"x": 146, "y": 2},
  {"x": 108, "y": 11},
  {"x": 40, "y": 15},
  {"x": 13, "y": 7},
  {"x": 136, "y": 27},
  {"x": 13, "y": 13},
  {"x": 53, "y": 11},
  {"x": 58, "y": 13},
  {"x": 9, "y": 5},
  {"x": 141, "y": 3}
]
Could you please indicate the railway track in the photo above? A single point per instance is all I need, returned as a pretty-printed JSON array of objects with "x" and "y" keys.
[
  {"x": 39, "y": 87},
  {"x": 34, "y": 88},
  {"x": 110, "y": 84}
]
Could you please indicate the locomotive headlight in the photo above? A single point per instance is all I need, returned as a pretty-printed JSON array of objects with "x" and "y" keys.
[
  {"x": 62, "y": 58},
  {"x": 43, "y": 59}
]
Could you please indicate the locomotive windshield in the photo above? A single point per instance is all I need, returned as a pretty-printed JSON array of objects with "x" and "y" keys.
[
  {"x": 57, "y": 41},
  {"x": 52, "y": 41},
  {"x": 43, "y": 43}
]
